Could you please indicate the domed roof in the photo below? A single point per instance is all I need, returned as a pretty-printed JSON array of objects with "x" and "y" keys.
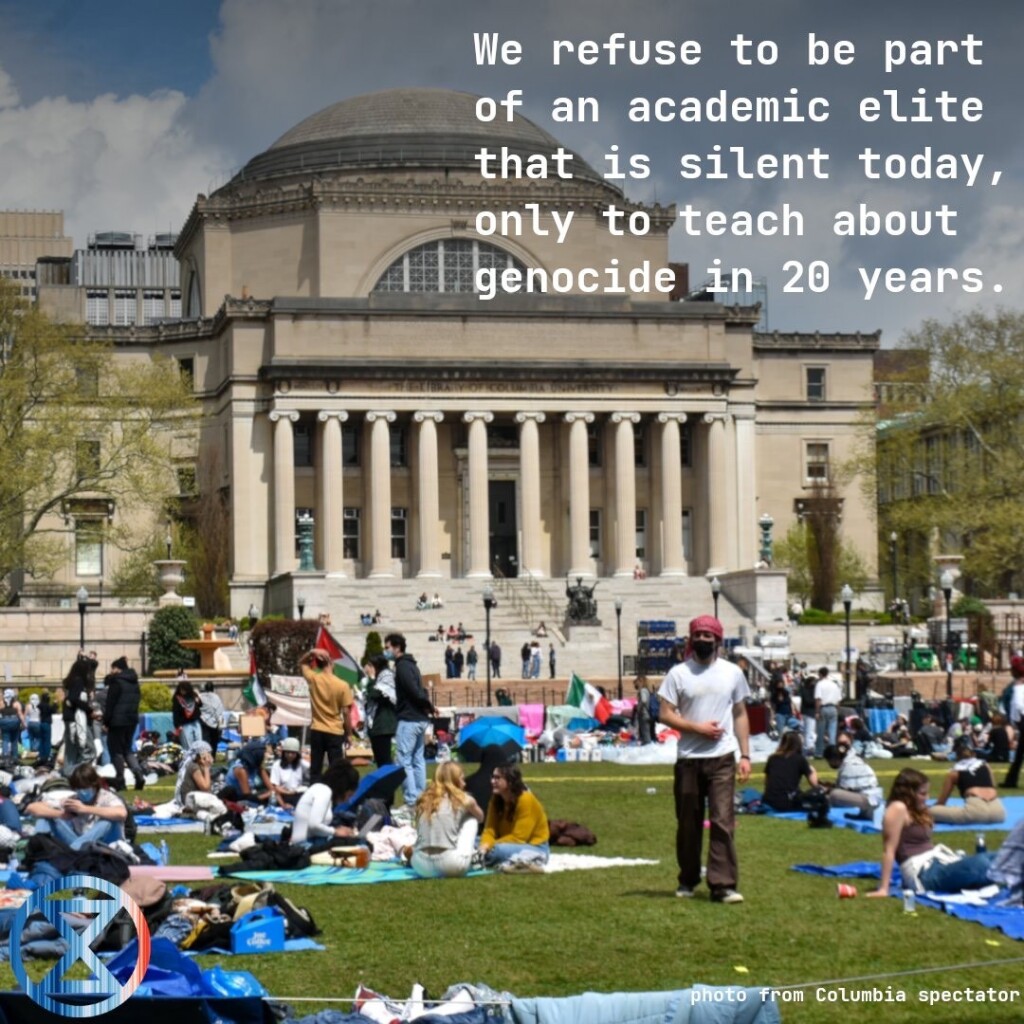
[{"x": 400, "y": 128}]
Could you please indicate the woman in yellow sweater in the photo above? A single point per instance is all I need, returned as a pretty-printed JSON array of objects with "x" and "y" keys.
[{"x": 516, "y": 832}]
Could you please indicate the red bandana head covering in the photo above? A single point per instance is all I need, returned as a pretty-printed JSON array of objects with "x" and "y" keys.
[
  {"x": 1017, "y": 665},
  {"x": 707, "y": 624}
]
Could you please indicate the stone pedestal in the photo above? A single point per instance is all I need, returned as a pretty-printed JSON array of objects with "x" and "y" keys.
[{"x": 171, "y": 574}]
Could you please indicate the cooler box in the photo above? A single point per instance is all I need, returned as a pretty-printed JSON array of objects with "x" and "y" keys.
[{"x": 261, "y": 931}]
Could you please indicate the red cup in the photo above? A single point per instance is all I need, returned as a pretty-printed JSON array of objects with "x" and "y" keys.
[{"x": 846, "y": 892}]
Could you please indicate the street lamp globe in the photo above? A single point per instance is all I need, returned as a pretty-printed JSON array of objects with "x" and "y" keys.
[{"x": 847, "y": 596}]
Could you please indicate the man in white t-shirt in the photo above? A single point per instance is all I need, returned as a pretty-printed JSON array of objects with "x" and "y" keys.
[
  {"x": 703, "y": 698},
  {"x": 1014, "y": 708},
  {"x": 827, "y": 695}
]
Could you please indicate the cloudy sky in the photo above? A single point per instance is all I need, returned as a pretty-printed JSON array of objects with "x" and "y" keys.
[{"x": 120, "y": 113}]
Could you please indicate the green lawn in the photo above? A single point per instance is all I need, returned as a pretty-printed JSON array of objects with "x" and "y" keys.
[{"x": 623, "y": 929}]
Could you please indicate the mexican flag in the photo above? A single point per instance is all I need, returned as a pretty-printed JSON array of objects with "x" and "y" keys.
[
  {"x": 346, "y": 668},
  {"x": 588, "y": 699},
  {"x": 253, "y": 690}
]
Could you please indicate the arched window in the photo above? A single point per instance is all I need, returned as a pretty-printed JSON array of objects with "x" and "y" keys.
[{"x": 447, "y": 265}]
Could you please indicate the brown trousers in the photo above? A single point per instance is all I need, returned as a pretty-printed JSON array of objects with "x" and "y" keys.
[{"x": 706, "y": 782}]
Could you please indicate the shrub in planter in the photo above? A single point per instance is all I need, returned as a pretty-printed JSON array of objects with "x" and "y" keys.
[
  {"x": 154, "y": 697},
  {"x": 166, "y": 628}
]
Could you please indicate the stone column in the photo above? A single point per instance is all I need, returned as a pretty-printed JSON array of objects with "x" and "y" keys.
[
  {"x": 284, "y": 490},
  {"x": 331, "y": 492},
  {"x": 716, "y": 491},
  {"x": 379, "y": 492},
  {"x": 672, "y": 560},
  {"x": 479, "y": 512},
  {"x": 579, "y": 494},
  {"x": 429, "y": 494},
  {"x": 746, "y": 503},
  {"x": 529, "y": 482},
  {"x": 625, "y": 493}
]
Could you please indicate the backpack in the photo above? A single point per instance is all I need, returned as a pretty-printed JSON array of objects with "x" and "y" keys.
[
  {"x": 298, "y": 921},
  {"x": 654, "y": 706}
]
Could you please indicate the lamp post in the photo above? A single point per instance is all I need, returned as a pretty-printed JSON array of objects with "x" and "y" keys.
[
  {"x": 847, "y": 596},
  {"x": 716, "y": 589},
  {"x": 618, "y": 639},
  {"x": 946, "y": 583},
  {"x": 894, "y": 564},
  {"x": 167, "y": 540},
  {"x": 83, "y": 600},
  {"x": 300, "y": 603},
  {"x": 488, "y": 605}
]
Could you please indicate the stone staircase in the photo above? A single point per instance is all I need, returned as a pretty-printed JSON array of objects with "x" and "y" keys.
[{"x": 521, "y": 606}]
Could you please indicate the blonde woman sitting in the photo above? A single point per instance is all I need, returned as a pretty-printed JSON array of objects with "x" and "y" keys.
[{"x": 447, "y": 818}]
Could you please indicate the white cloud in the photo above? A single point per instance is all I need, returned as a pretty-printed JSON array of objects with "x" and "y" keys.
[
  {"x": 109, "y": 163},
  {"x": 8, "y": 93}
]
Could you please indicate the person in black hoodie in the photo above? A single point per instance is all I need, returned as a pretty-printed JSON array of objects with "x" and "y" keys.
[
  {"x": 413, "y": 709},
  {"x": 122, "y": 718}
]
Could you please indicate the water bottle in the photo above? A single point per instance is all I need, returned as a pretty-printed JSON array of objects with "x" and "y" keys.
[
  {"x": 909, "y": 901},
  {"x": 979, "y": 844},
  {"x": 165, "y": 852},
  {"x": 12, "y": 862}
]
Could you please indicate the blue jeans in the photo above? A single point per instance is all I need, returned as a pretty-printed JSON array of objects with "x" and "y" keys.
[
  {"x": 9, "y": 815},
  {"x": 191, "y": 732},
  {"x": 101, "y": 831},
  {"x": 506, "y": 851},
  {"x": 409, "y": 754},
  {"x": 966, "y": 873},
  {"x": 10, "y": 732},
  {"x": 828, "y": 726}
]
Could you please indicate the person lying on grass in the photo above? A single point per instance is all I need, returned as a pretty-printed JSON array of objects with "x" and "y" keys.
[
  {"x": 447, "y": 819},
  {"x": 973, "y": 778},
  {"x": 516, "y": 833},
  {"x": 907, "y": 841}
]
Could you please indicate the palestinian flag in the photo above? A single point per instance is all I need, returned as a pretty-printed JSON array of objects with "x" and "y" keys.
[
  {"x": 346, "y": 668},
  {"x": 253, "y": 690},
  {"x": 588, "y": 699}
]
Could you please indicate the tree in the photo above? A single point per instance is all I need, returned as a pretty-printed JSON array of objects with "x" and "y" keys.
[
  {"x": 84, "y": 433},
  {"x": 374, "y": 647},
  {"x": 166, "y": 628},
  {"x": 206, "y": 539},
  {"x": 797, "y": 552},
  {"x": 949, "y": 451}
]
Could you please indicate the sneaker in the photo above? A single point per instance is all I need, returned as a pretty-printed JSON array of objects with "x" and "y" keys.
[
  {"x": 726, "y": 896},
  {"x": 684, "y": 892}
]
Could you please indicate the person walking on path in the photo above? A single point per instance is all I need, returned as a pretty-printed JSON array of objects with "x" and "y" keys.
[
  {"x": 413, "y": 710},
  {"x": 552, "y": 659},
  {"x": 703, "y": 698},
  {"x": 121, "y": 720},
  {"x": 495, "y": 655}
]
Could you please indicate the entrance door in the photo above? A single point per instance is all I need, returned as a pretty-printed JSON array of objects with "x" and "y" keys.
[{"x": 502, "y": 509}]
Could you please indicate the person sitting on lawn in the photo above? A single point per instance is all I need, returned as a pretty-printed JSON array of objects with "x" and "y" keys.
[
  {"x": 89, "y": 814},
  {"x": 516, "y": 832},
  {"x": 447, "y": 819},
  {"x": 248, "y": 781},
  {"x": 287, "y": 774},
  {"x": 315, "y": 809},
  {"x": 973, "y": 778},
  {"x": 856, "y": 784},
  {"x": 907, "y": 841},
  {"x": 783, "y": 772}
]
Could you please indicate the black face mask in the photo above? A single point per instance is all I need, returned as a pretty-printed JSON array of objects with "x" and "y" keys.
[{"x": 703, "y": 648}]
